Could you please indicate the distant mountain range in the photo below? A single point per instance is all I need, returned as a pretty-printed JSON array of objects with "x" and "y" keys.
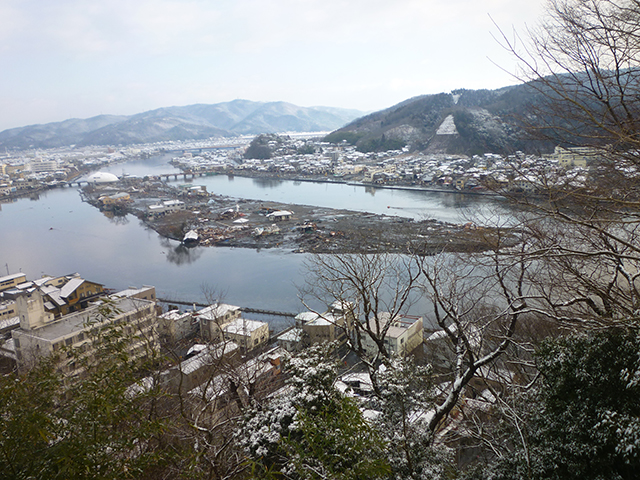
[
  {"x": 460, "y": 122},
  {"x": 180, "y": 123}
]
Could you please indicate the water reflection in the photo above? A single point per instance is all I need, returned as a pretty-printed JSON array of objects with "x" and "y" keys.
[
  {"x": 268, "y": 182},
  {"x": 116, "y": 219},
  {"x": 180, "y": 255}
]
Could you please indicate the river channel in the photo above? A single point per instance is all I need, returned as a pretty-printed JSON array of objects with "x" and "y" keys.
[{"x": 56, "y": 233}]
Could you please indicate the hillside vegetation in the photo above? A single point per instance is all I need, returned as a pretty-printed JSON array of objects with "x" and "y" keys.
[{"x": 485, "y": 121}]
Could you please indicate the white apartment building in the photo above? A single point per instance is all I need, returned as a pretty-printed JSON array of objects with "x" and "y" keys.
[
  {"x": 248, "y": 334},
  {"x": 40, "y": 335},
  {"x": 403, "y": 335},
  {"x": 214, "y": 317}
]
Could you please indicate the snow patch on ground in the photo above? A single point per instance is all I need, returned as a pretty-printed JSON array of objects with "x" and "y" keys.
[{"x": 447, "y": 127}]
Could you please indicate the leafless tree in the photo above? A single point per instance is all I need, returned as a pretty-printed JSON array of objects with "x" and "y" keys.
[
  {"x": 375, "y": 287},
  {"x": 583, "y": 62},
  {"x": 477, "y": 301}
]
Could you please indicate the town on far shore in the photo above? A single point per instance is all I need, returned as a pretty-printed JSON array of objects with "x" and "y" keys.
[
  {"x": 294, "y": 156},
  {"x": 188, "y": 213}
]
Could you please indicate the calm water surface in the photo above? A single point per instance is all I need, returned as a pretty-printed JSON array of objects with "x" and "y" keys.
[{"x": 59, "y": 234}]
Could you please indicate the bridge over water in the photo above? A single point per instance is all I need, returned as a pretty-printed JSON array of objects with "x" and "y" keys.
[
  {"x": 158, "y": 176},
  {"x": 244, "y": 309},
  {"x": 201, "y": 149}
]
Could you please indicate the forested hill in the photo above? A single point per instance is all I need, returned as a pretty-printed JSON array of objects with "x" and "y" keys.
[
  {"x": 463, "y": 121},
  {"x": 180, "y": 123}
]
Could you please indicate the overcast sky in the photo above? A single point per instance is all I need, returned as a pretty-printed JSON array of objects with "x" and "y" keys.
[{"x": 63, "y": 59}]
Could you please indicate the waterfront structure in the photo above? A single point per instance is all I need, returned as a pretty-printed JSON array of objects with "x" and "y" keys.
[
  {"x": 174, "y": 326},
  {"x": 10, "y": 281},
  {"x": 102, "y": 177},
  {"x": 120, "y": 198},
  {"x": 211, "y": 319},
  {"x": 40, "y": 335},
  {"x": 334, "y": 324},
  {"x": 146, "y": 292},
  {"x": 403, "y": 335},
  {"x": 167, "y": 206},
  {"x": 248, "y": 334}
]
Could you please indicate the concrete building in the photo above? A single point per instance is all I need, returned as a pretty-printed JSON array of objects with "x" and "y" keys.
[
  {"x": 575, "y": 156},
  {"x": 174, "y": 326},
  {"x": 166, "y": 207},
  {"x": 334, "y": 324},
  {"x": 403, "y": 335},
  {"x": 291, "y": 339},
  {"x": 43, "y": 166},
  {"x": 11, "y": 281},
  {"x": 121, "y": 198},
  {"x": 212, "y": 318},
  {"x": 41, "y": 335},
  {"x": 248, "y": 334}
]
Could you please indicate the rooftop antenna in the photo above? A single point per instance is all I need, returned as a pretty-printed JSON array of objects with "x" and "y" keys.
[{"x": 7, "y": 266}]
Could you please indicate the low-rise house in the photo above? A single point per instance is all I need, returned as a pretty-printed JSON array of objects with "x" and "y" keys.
[
  {"x": 234, "y": 389},
  {"x": 7, "y": 309},
  {"x": 248, "y": 334},
  {"x": 117, "y": 199},
  {"x": 211, "y": 319},
  {"x": 280, "y": 215},
  {"x": 334, "y": 324},
  {"x": 61, "y": 295},
  {"x": 401, "y": 334},
  {"x": 209, "y": 362},
  {"x": 174, "y": 326},
  {"x": 291, "y": 339}
]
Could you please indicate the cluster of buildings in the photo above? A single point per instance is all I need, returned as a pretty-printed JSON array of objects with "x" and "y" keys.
[
  {"x": 291, "y": 157},
  {"x": 37, "y": 169},
  {"x": 51, "y": 315},
  {"x": 225, "y": 360},
  {"x": 393, "y": 167}
]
